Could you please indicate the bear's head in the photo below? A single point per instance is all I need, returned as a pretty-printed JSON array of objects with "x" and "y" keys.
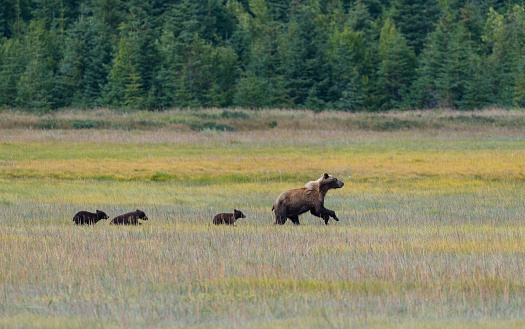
[
  {"x": 141, "y": 214},
  {"x": 238, "y": 214},
  {"x": 330, "y": 182},
  {"x": 323, "y": 184},
  {"x": 102, "y": 215}
]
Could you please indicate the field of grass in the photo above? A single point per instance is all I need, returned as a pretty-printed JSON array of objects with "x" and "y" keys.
[{"x": 431, "y": 231}]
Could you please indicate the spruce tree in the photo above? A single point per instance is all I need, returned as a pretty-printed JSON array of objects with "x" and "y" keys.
[
  {"x": 415, "y": 20},
  {"x": 303, "y": 62},
  {"x": 182, "y": 49},
  {"x": 347, "y": 55},
  {"x": 396, "y": 69},
  {"x": 262, "y": 68},
  {"x": 35, "y": 85},
  {"x": 85, "y": 65},
  {"x": 118, "y": 92},
  {"x": 505, "y": 34},
  {"x": 12, "y": 65},
  {"x": 7, "y": 13}
]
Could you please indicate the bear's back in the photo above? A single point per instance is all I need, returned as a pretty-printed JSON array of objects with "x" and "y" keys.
[
  {"x": 226, "y": 218},
  {"x": 84, "y": 217},
  {"x": 126, "y": 219}
]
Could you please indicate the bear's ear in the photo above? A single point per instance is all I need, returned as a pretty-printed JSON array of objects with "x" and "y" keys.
[
  {"x": 138, "y": 210},
  {"x": 326, "y": 176},
  {"x": 234, "y": 210}
]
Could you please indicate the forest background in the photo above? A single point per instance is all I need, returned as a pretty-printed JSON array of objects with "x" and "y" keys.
[{"x": 349, "y": 55}]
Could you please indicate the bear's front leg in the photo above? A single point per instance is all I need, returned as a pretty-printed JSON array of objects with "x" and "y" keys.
[
  {"x": 295, "y": 219},
  {"x": 326, "y": 217},
  {"x": 328, "y": 213},
  {"x": 334, "y": 216}
]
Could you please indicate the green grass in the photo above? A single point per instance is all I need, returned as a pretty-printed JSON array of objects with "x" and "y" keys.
[{"x": 431, "y": 231}]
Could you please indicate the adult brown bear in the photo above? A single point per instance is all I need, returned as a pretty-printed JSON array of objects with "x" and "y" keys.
[{"x": 292, "y": 203}]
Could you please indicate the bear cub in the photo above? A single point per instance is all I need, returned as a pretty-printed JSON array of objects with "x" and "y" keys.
[
  {"x": 228, "y": 218},
  {"x": 89, "y": 218},
  {"x": 130, "y": 218}
]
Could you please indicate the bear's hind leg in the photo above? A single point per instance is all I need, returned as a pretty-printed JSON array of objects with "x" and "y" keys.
[{"x": 280, "y": 216}]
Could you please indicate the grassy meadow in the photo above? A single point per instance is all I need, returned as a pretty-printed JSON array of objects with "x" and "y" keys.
[{"x": 431, "y": 231}]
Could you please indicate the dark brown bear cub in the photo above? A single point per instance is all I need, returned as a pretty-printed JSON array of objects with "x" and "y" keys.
[
  {"x": 228, "y": 218},
  {"x": 89, "y": 218},
  {"x": 292, "y": 203},
  {"x": 130, "y": 218}
]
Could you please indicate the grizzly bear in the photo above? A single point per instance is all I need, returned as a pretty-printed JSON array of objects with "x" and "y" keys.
[
  {"x": 228, "y": 218},
  {"x": 89, "y": 218},
  {"x": 292, "y": 203},
  {"x": 130, "y": 218}
]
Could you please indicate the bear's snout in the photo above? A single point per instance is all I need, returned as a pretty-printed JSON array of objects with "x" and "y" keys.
[{"x": 340, "y": 184}]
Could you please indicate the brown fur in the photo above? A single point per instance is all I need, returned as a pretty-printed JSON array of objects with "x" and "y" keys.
[
  {"x": 89, "y": 218},
  {"x": 292, "y": 203},
  {"x": 228, "y": 218},
  {"x": 130, "y": 218}
]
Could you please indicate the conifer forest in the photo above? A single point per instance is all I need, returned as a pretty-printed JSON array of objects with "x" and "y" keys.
[{"x": 349, "y": 55}]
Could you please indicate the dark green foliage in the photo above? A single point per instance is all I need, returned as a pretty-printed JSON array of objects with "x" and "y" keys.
[
  {"x": 234, "y": 114},
  {"x": 392, "y": 125},
  {"x": 7, "y": 13},
  {"x": 11, "y": 69},
  {"x": 453, "y": 69},
  {"x": 415, "y": 20},
  {"x": 84, "y": 69},
  {"x": 193, "y": 72},
  {"x": 303, "y": 62},
  {"x": 349, "y": 55},
  {"x": 396, "y": 69},
  {"x": 34, "y": 86}
]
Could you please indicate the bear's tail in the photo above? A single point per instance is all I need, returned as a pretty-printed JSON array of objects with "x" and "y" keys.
[{"x": 273, "y": 207}]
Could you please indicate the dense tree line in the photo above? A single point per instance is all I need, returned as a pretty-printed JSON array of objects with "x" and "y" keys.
[{"x": 319, "y": 54}]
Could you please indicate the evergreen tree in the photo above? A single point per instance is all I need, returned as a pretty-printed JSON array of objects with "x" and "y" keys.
[
  {"x": 224, "y": 75},
  {"x": 12, "y": 65},
  {"x": 35, "y": 86},
  {"x": 347, "y": 56},
  {"x": 415, "y": 20},
  {"x": 99, "y": 62},
  {"x": 360, "y": 20},
  {"x": 478, "y": 86},
  {"x": 303, "y": 61},
  {"x": 505, "y": 34},
  {"x": 396, "y": 69},
  {"x": 448, "y": 65},
  {"x": 54, "y": 13},
  {"x": 7, "y": 12},
  {"x": 109, "y": 13},
  {"x": 181, "y": 46},
  {"x": 262, "y": 70},
  {"x": 84, "y": 69},
  {"x": 123, "y": 82}
]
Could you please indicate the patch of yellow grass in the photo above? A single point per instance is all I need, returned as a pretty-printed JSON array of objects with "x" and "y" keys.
[{"x": 419, "y": 168}]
